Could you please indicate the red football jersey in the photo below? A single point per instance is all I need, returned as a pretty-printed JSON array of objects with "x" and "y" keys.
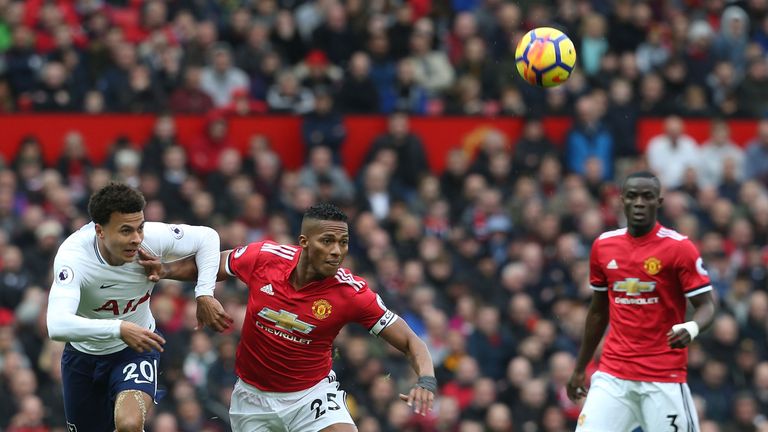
[
  {"x": 647, "y": 279},
  {"x": 287, "y": 335}
]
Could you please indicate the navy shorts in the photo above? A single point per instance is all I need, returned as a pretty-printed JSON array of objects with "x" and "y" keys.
[{"x": 92, "y": 382}]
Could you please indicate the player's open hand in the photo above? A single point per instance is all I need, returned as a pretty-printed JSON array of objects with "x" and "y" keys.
[
  {"x": 139, "y": 338},
  {"x": 153, "y": 267},
  {"x": 678, "y": 339},
  {"x": 420, "y": 399},
  {"x": 212, "y": 314},
  {"x": 575, "y": 387}
]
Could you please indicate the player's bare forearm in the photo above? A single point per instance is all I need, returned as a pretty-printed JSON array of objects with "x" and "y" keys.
[
  {"x": 400, "y": 336},
  {"x": 682, "y": 334},
  {"x": 705, "y": 309},
  {"x": 185, "y": 269},
  {"x": 594, "y": 328},
  {"x": 422, "y": 395}
]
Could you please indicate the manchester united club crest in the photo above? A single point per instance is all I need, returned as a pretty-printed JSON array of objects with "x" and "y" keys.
[
  {"x": 652, "y": 266},
  {"x": 321, "y": 309},
  {"x": 582, "y": 417}
]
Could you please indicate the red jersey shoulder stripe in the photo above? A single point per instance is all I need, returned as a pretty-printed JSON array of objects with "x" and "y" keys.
[
  {"x": 282, "y": 251},
  {"x": 614, "y": 233},
  {"x": 343, "y": 276},
  {"x": 669, "y": 233}
]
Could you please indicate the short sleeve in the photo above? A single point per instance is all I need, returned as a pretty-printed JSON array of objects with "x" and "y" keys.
[
  {"x": 368, "y": 309},
  {"x": 692, "y": 275},
  {"x": 242, "y": 261},
  {"x": 597, "y": 279}
]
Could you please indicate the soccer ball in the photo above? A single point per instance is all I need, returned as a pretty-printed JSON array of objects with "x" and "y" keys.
[{"x": 545, "y": 57}]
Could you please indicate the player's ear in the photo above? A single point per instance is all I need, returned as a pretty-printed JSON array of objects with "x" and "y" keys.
[
  {"x": 303, "y": 241},
  {"x": 99, "y": 231},
  {"x": 661, "y": 200}
]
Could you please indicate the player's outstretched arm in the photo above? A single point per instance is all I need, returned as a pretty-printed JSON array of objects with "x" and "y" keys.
[
  {"x": 210, "y": 312},
  {"x": 422, "y": 395},
  {"x": 184, "y": 269},
  {"x": 594, "y": 328},
  {"x": 681, "y": 335}
]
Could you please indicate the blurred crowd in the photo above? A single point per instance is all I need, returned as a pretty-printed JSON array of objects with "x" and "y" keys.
[
  {"x": 696, "y": 57},
  {"x": 487, "y": 261}
]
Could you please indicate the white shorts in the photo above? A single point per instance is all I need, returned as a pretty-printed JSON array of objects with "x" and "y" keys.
[
  {"x": 619, "y": 405},
  {"x": 310, "y": 410}
]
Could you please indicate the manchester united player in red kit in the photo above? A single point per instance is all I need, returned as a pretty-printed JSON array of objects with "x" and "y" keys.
[
  {"x": 299, "y": 299},
  {"x": 641, "y": 277}
]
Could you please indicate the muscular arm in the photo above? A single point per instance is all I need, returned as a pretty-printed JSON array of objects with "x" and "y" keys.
[
  {"x": 594, "y": 328},
  {"x": 704, "y": 306},
  {"x": 185, "y": 269},
  {"x": 703, "y": 316},
  {"x": 400, "y": 336},
  {"x": 422, "y": 395}
]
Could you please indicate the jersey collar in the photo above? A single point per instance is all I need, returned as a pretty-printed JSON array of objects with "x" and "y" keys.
[
  {"x": 645, "y": 237},
  {"x": 97, "y": 252}
]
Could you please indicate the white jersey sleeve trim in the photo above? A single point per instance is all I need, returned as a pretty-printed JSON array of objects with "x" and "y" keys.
[
  {"x": 698, "y": 291},
  {"x": 383, "y": 322},
  {"x": 227, "y": 267},
  {"x": 598, "y": 288},
  {"x": 64, "y": 325}
]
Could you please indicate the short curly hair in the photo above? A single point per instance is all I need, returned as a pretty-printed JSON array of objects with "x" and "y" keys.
[
  {"x": 114, "y": 197},
  {"x": 325, "y": 211}
]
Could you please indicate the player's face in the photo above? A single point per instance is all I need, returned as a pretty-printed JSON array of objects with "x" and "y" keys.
[
  {"x": 642, "y": 199},
  {"x": 326, "y": 243},
  {"x": 121, "y": 236}
]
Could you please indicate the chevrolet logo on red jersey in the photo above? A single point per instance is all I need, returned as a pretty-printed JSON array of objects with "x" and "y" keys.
[
  {"x": 634, "y": 286},
  {"x": 285, "y": 320}
]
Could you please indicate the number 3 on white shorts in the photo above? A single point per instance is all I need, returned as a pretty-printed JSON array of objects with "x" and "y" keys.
[
  {"x": 317, "y": 405},
  {"x": 146, "y": 369}
]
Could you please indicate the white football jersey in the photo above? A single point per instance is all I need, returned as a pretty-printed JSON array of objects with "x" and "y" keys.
[{"x": 105, "y": 295}]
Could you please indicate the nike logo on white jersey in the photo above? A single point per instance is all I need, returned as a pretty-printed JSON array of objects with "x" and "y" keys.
[
  {"x": 267, "y": 289},
  {"x": 612, "y": 265}
]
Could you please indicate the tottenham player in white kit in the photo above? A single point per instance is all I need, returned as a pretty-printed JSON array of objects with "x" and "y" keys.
[{"x": 99, "y": 304}]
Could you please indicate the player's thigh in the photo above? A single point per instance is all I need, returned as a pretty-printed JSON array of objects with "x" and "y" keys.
[
  {"x": 609, "y": 406},
  {"x": 135, "y": 371},
  {"x": 250, "y": 412},
  {"x": 86, "y": 397},
  {"x": 131, "y": 409},
  {"x": 324, "y": 408},
  {"x": 668, "y": 407}
]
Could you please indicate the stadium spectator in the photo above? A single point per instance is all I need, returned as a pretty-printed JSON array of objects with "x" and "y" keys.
[
  {"x": 756, "y": 156},
  {"x": 589, "y": 139},
  {"x": 190, "y": 96},
  {"x": 411, "y": 160},
  {"x": 358, "y": 93},
  {"x": 672, "y": 152},
  {"x": 715, "y": 153},
  {"x": 323, "y": 127},
  {"x": 220, "y": 77}
]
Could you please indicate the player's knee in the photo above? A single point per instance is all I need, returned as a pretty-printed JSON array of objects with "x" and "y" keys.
[{"x": 129, "y": 424}]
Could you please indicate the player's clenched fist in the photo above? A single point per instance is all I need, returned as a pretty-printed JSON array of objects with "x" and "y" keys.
[
  {"x": 139, "y": 338},
  {"x": 575, "y": 387}
]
